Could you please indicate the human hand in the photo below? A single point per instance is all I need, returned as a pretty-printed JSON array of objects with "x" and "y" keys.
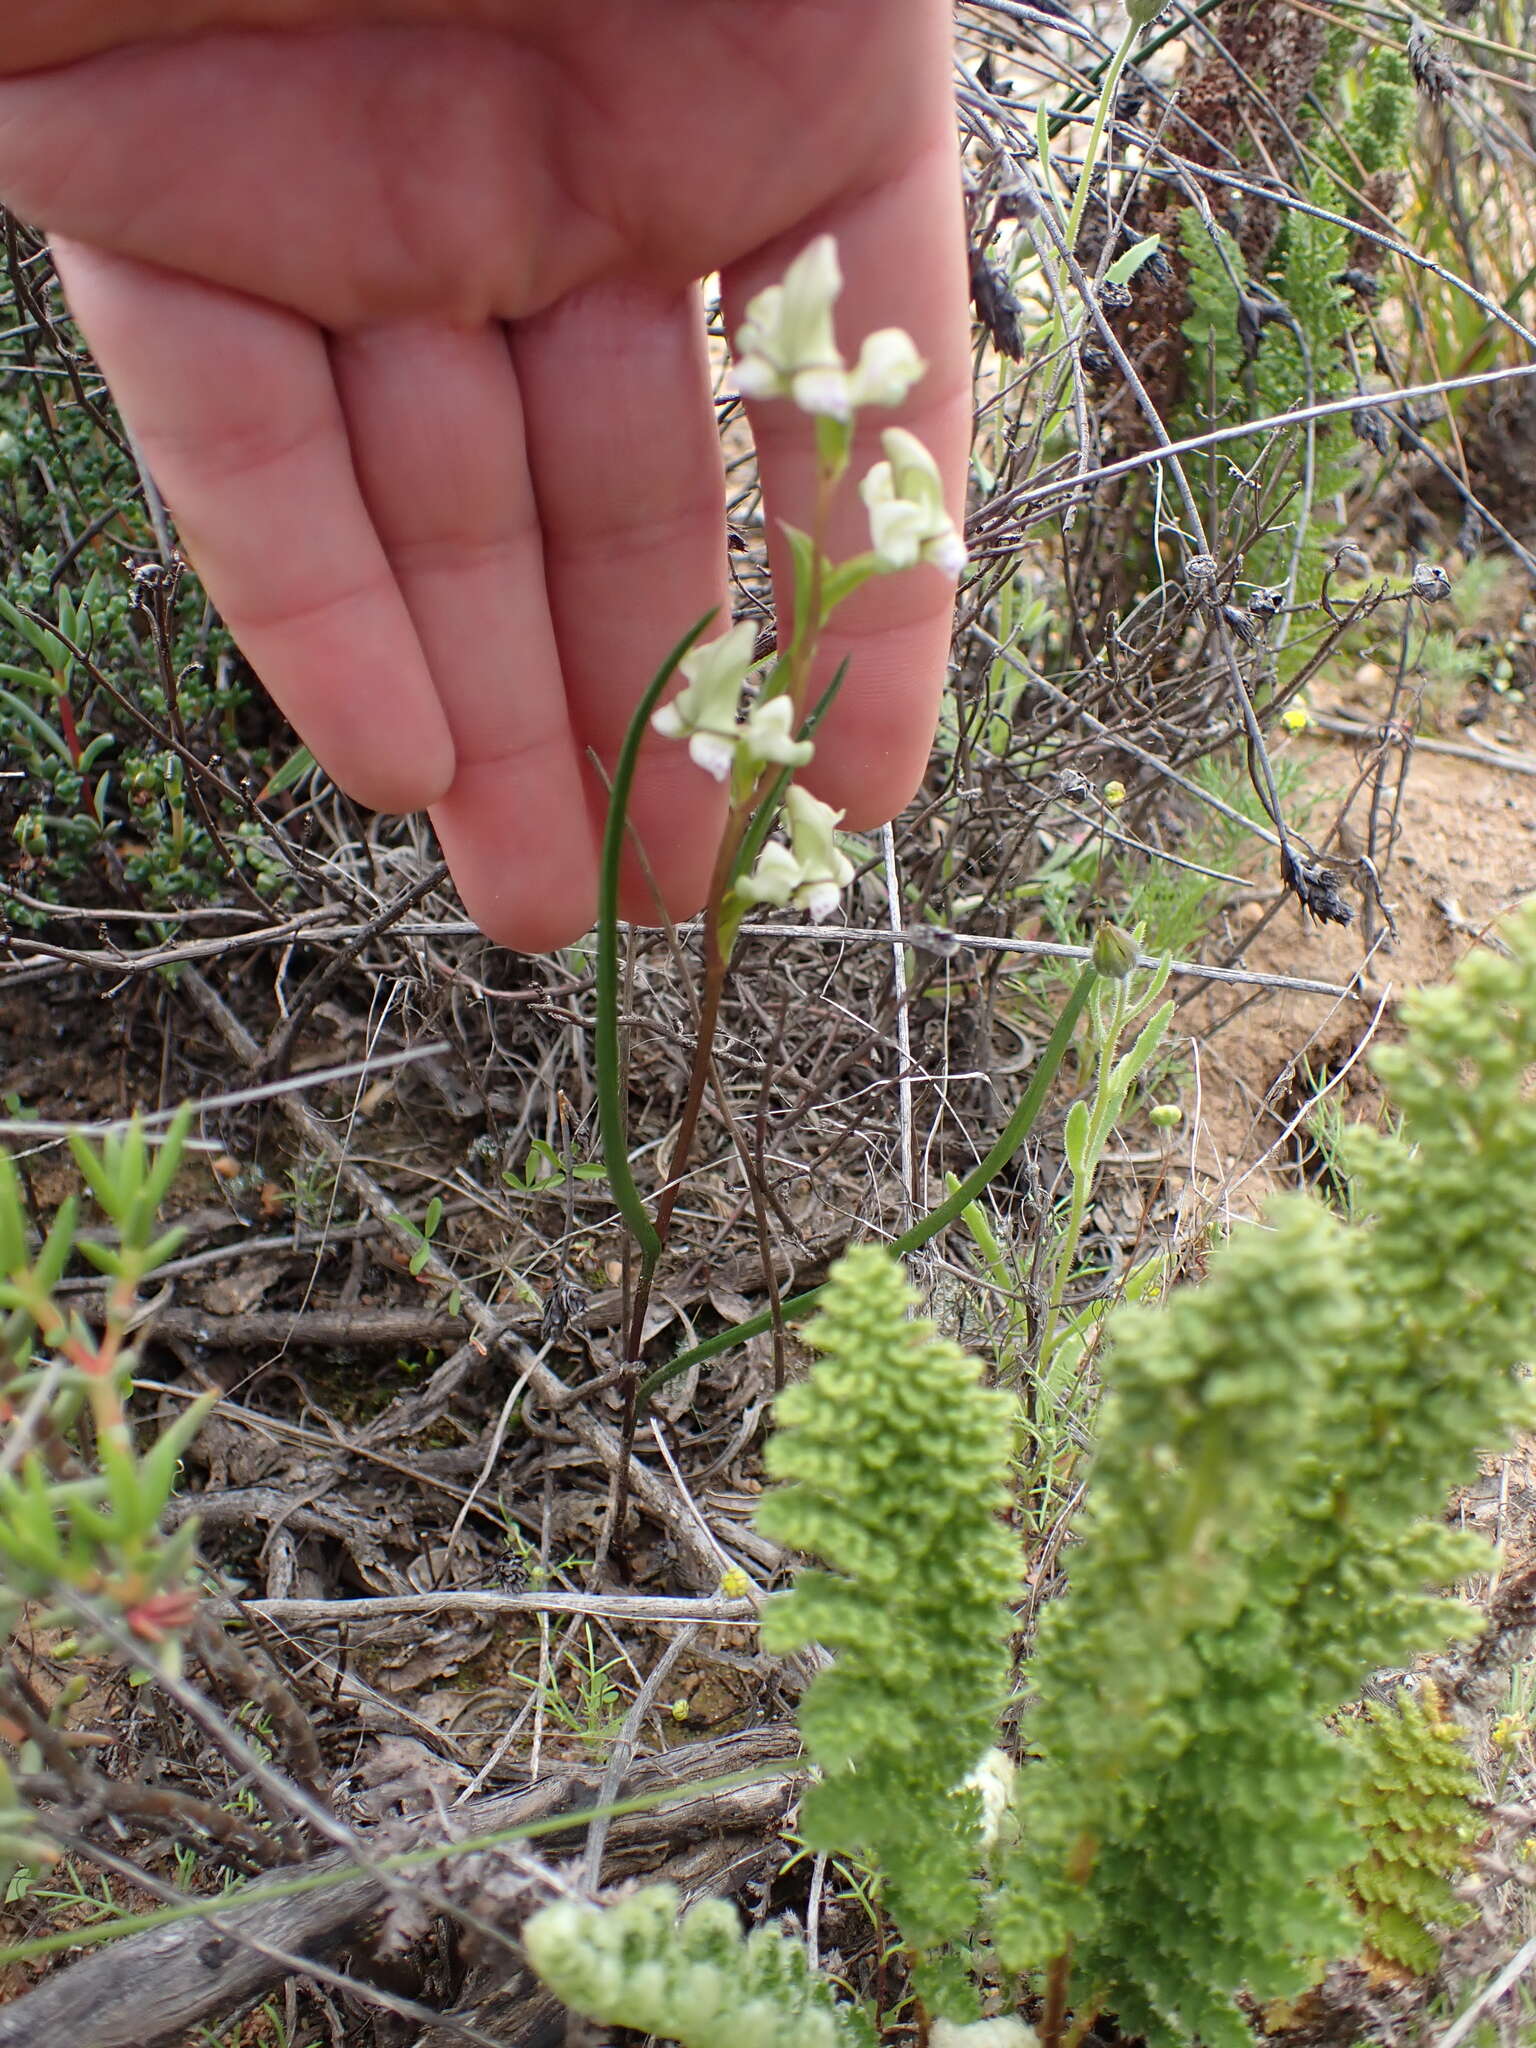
[{"x": 398, "y": 298}]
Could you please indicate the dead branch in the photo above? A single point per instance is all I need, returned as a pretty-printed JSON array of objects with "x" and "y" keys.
[{"x": 160, "y": 1983}]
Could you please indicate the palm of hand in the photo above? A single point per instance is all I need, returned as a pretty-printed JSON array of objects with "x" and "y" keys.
[{"x": 403, "y": 320}]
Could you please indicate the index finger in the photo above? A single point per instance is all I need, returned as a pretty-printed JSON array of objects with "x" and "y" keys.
[{"x": 902, "y": 250}]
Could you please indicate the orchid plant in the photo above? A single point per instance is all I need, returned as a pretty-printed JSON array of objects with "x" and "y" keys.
[{"x": 750, "y": 723}]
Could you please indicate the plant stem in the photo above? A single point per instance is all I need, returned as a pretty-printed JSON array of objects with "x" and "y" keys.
[
  {"x": 1100, "y": 1116},
  {"x": 613, "y": 1121},
  {"x": 1101, "y": 113},
  {"x": 1018, "y": 1128},
  {"x": 1053, "y": 2018}
]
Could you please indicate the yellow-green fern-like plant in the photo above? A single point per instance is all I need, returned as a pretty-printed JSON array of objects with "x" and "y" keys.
[
  {"x": 895, "y": 1463},
  {"x": 696, "y": 1979},
  {"x": 1264, "y": 1528},
  {"x": 1413, "y": 1801}
]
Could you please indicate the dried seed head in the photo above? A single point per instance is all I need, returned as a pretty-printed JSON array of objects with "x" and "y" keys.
[
  {"x": 1370, "y": 426},
  {"x": 1201, "y": 576},
  {"x": 1435, "y": 76},
  {"x": 1315, "y": 888},
  {"x": 997, "y": 306}
]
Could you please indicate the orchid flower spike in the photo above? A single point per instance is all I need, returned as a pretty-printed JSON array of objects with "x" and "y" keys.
[
  {"x": 908, "y": 519},
  {"x": 704, "y": 712}
]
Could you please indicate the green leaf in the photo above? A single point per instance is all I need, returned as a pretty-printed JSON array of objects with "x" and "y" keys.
[
  {"x": 1147, "y": 1040},
  {"x": 612, "y": 1113},
  {"x": 57, "y": 1245},
  {"x": 803, "y": 554},
  {"x": 54, "y": 741},
  {"x": 1129, "y": 261},
  {"x": 1075, "y": 1140},
  {"x": 298, "y": 764}
]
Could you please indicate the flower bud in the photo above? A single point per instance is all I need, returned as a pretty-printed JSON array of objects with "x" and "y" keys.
[{"x": 1113, "y": 952}]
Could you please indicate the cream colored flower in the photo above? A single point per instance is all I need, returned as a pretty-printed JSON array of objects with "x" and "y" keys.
[
  {"x": 769, "y": 735},
  {"x": 775, "y": 878},
  {"x": 704, "y": 712},
  {"x": 908, "y": 519},
  {"x": 825, "y": 870},
  {"x": 786, "y": 347},
  {"x": 888, "y": 367},
  {"x": 812, "y": 871}
]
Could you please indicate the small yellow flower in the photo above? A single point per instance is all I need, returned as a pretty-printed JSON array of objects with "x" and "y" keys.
[
  {"x": 734, "y": 1584},
  {"x": 679, "y": 1710},
  {"x": 1296, "y": 717},
  {"x": 1114, "y": 794}
]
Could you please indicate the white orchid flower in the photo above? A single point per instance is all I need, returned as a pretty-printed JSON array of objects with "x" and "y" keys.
[
  {"x": 1005, "y": 2032},
  {"x": 704, "y": 712},
  {"x": 908, "y": 519},
  {"x": 888, "y": 367},
  {"x": 786, "y": 347},
  {"x": 993, "y": 1782},
  {"x": 825, "y": 870},
  {"x": 769, "y": 735},
  {"x": 812, "y": 871},
  {"x": 775, "y": 878}
]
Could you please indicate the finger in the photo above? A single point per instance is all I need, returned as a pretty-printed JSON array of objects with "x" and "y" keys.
[
  {"x": 391, "y": 174},
  {"x": 234, "y": 409},
  {"x": 438, "y": 438},
  {"x": 902, "y": 249},
  {"x": 627, "y": 468}
]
